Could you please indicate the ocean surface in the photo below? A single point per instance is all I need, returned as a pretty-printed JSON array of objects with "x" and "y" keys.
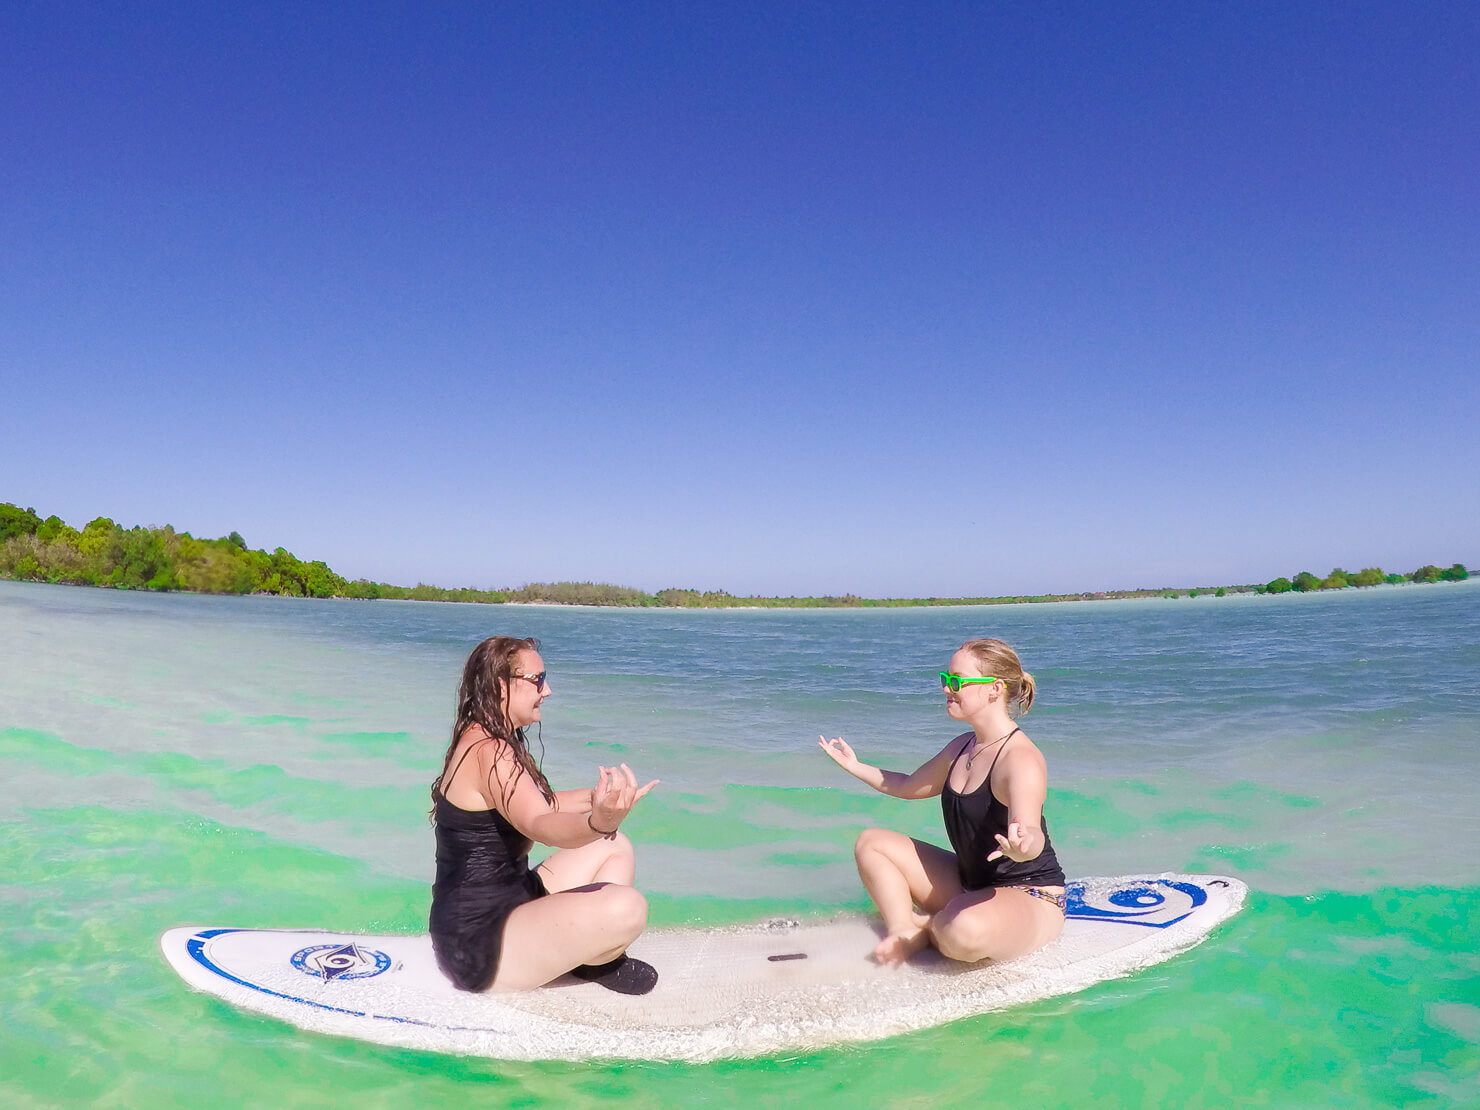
[{"x": 173, "y": 760}]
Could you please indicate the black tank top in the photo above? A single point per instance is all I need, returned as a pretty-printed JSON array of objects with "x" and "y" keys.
[
  {"x": 476, "y": 850},
  {"x": 483, "y": 874},
  {"x": 973, "y": 821}
]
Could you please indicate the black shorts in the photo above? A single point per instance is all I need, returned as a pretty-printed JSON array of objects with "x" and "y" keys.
[{"x": 467, "y": 929}]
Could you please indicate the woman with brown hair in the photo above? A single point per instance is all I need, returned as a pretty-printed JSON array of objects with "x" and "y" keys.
[
  {"x": 999, "y": 893},
  {"x": 496, "y": 923}
]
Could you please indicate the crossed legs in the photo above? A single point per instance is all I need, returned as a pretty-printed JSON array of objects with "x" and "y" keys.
[
  {"x": 590, "y": 916},
  {"x": 901, "y": 874}
]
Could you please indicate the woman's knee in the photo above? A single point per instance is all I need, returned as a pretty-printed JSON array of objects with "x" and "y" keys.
[
  {"x": 625, "y": 909},
  {"x": 961, "y": 936},
  {"x": 871, "y": 841},
  {"x": 619, "y": 847}
]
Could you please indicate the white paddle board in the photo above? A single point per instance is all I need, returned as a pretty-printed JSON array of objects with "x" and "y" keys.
[{"x": 744, "y": 991}]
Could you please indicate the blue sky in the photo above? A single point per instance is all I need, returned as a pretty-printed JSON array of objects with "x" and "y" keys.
[{"x": 896, "y": 299}]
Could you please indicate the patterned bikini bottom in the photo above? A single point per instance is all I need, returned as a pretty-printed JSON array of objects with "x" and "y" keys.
[{"x": 1048, "y": 896}]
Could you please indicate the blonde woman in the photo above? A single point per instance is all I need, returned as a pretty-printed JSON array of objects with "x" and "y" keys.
[{"x": 999, "y": 892}]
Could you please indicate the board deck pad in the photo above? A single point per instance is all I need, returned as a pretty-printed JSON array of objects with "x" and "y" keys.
[{"x": 747, "y": 990}]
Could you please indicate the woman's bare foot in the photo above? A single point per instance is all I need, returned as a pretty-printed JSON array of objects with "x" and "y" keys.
[{"x": 898, "y": 947}]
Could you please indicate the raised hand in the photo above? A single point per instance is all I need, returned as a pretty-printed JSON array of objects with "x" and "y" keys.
[
  {"x": 1014, "y": 845},
  {"x": 841, "y": 753},
  {"x": 613, "y": 797}
]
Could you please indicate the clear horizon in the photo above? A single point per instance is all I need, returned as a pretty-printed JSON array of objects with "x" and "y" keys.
[{"x": 962, "y": 301}]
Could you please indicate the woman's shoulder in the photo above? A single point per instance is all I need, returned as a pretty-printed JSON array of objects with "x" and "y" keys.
[
  {"x": 954, "y": 747},
  {"x": 1022, "y": 750},
  {"x": 479, "y": 742},
  {"x": 479, "y": 749}
]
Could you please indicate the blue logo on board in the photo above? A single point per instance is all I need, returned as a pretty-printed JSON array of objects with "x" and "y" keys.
[
  {"x": 340, "y": 961},
  {"x": 1153, "y": 903}
]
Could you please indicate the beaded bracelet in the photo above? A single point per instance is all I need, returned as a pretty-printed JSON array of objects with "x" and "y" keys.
[{"x": 598, "y": 832}]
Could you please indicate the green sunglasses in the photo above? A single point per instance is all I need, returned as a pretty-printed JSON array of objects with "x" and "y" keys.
[{"x": 954, "y": 682}]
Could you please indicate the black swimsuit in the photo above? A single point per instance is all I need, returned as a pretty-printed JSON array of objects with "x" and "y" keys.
[
  {"x": 973, "y": 821},
  {"x": 483, "y": 875}
]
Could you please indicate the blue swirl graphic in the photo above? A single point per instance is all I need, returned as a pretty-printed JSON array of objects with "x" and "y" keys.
[
  {"x": 1152, "y": 903},
  {"x": 340, "y": 961}
]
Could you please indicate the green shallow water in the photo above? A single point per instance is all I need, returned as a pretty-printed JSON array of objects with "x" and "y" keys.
[{"x": 177, "y": 760}]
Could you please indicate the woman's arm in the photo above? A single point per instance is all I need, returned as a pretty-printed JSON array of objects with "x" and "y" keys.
[
  {"x": 577, "y": 801},
  {"x": 508, "y": 788},
  {"x": 595, "y": 813},
  {"x": 1026, "y": 785},
  {"x": 926, "y": 781}
]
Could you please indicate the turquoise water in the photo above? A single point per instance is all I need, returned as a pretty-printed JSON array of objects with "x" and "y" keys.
[{"x": 178, "y": 760}]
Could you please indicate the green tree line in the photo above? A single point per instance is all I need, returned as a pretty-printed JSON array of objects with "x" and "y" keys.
[
  {"x": 106, "y": 554},
  {"x": 1338, "y": 579}
]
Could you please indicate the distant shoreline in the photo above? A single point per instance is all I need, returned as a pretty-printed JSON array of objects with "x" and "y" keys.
[
  {"x": 104, "y": 554},
  {"x": 734, "y": 603}
]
